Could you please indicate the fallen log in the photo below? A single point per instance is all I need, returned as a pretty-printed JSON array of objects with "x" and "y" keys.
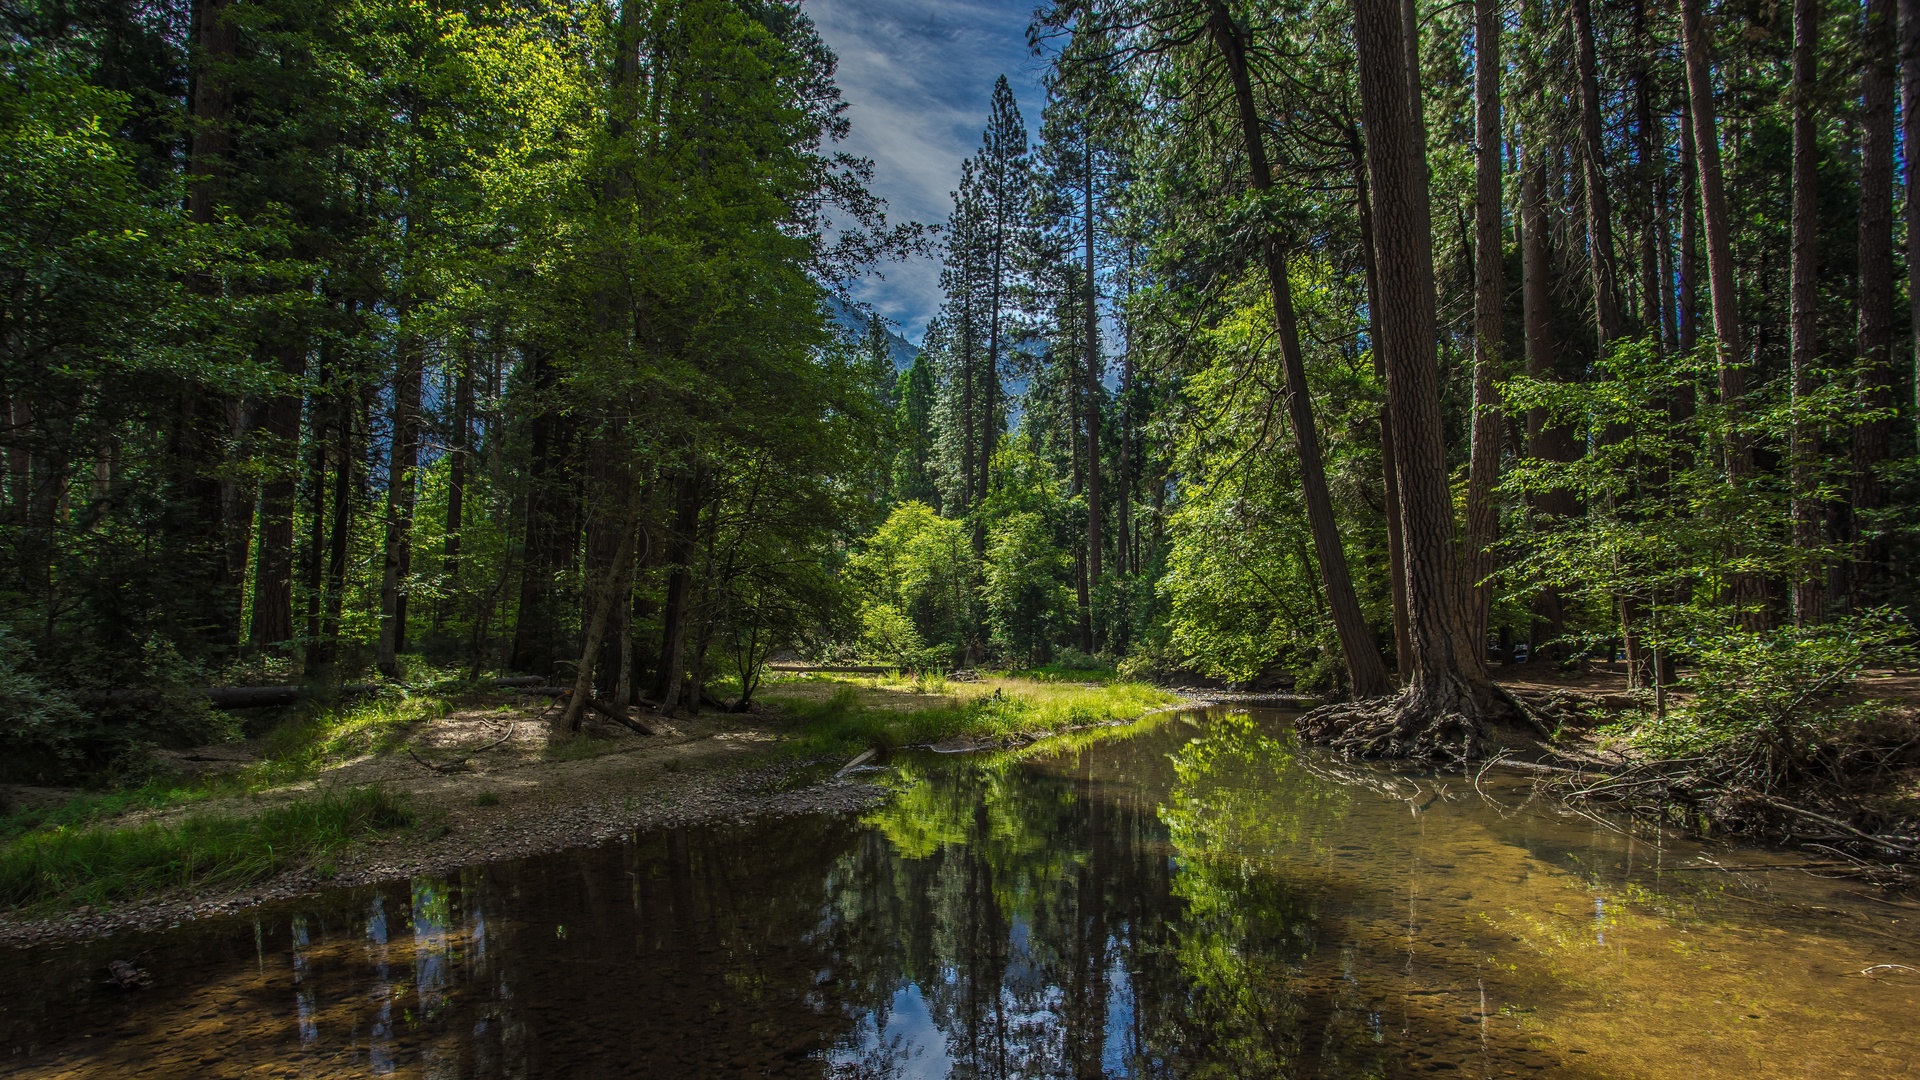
[{"x": 832, "y": 669}]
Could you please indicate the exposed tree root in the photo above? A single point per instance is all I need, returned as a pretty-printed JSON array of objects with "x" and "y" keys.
[{"x": 1436, "y": 719}]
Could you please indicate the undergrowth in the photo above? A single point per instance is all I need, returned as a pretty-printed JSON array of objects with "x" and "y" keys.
[{"x": 95, "y": 864}]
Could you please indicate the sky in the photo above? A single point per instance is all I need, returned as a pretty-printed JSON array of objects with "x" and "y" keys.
[{"x": 917, "y": 75}]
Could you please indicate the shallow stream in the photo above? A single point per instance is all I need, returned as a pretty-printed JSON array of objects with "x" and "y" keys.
[{"x": 1192, "y": 896}]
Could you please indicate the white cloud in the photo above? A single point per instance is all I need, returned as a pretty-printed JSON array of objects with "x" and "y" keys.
[{"x": 917, "y": 78}]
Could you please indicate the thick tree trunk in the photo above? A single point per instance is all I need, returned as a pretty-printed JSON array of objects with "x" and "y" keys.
[
  {"x": 1809, "y": 585},
  {"x": 1390, "y": 478},
  {"x": 1366, "y": 673},
  {"x": 1489, "y": 307},
  {"x": 1686, "y": 314},
  {"x": 1443, "y": 710},
  {"x": 1874, "y": 375}
]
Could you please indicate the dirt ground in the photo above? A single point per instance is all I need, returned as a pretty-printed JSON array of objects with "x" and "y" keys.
[{"x": 514, "y": 795}]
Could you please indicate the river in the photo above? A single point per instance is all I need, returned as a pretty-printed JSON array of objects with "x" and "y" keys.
[{"x": 1193, "y": 896}]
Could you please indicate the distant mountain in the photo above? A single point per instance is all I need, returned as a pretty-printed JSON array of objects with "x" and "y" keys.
[{"x": 854, "y": 324}]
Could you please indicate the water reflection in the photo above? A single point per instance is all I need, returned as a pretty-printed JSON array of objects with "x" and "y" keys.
[{"x": 1197, "y": 899}]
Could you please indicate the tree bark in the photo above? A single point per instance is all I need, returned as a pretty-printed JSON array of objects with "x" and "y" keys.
[
  {"x": 1092, "y": 410},
  {"x": 1874, "y": 375},
  {"x": 1910, "y": 130},
  {"x": 1390, "y": 477},
  {"x": 1809, "y": 583},
  {"x": 1442, "y": 711},
  {"x": 1749, "y": 589},
  {"x": 1600, "y": 255},
  {"x": 1366, "y": 673},
  {"x": 1489, "y": 306}
]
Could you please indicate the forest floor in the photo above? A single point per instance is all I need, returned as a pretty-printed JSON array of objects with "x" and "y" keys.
[{"x": 476, "y": 779}]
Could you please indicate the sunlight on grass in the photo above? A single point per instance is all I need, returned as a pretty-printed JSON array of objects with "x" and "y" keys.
[
  {"x": 888, "y": 711},
  {"x": 299, "y": 750},
  {"x": 104, "y": 863}
]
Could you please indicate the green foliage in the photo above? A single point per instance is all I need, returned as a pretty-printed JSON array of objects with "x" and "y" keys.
[
  {"x": 98, "y": 864},
  {"x": 921, "y": 565},
  {"x": 1774, "y": 699},
  {"x": 1025, "y": 585}
]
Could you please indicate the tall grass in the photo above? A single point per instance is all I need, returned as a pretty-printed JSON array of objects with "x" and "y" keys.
[
  {"x": 991, "y": 709},
  {"x": 102, "y": 863}
]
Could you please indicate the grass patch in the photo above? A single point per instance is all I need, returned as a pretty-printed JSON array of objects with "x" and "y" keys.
[
  {"x": 886, "y": 712},
  {"x": 95, "y": 864},
  {"x": 301, "y": 749},
  {"x": 90, "y": 808},
  {"x": 486, "y": 798}
]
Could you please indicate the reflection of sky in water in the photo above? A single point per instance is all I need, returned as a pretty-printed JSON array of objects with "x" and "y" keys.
[
  {"x": 904, "y": 1042},
  {"x": 380, "y": 1042},
  {"x": 303, "y": 994},
  {"x": 1117, "y": 1049}
]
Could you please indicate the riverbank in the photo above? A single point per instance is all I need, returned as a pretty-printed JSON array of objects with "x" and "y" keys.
[{"x": 480, "y": 779}]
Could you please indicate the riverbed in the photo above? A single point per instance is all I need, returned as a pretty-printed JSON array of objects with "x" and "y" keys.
[{"x": 1192, "y": 896}]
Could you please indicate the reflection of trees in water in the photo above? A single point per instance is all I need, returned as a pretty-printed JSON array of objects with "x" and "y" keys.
[
  {"x": 1061, "y": 924},
  {"x": 1026, "y": 903}
]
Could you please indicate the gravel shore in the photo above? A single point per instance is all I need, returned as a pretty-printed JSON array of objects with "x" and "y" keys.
[{"x": 532, "y": 806}]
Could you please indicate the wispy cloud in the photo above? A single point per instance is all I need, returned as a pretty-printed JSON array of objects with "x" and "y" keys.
[{"x": 917, "y": 77}]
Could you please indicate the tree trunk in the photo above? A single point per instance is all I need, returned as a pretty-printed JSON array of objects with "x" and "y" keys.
[
  {"x": 608, "y": 595},
  {"x": 1489, "y": 306},
  {"x": 403, "y": 457},
  {"x": 459, "y": 461},
  {"x": 680, "y": 542},
  {"x": 543, "y": 546},
  {"x": 1092, "y": 410},
  {"x": 1910, "y": 125},
  {"x": 1686, "y": 315},
  {"x": 1874, "y": 375},
  {"x": 1442, "y": 711},
  {"x": 273, "y": 570},
  {"x": 1606, "y": 292},
  {"x": 320, "y": 414},
  {"x": 1809, "y": 583},
  {"x": 1366, "y": 673},
  {"x": 1729, "y": 336},
  {"x": 1396, "y": 549}
]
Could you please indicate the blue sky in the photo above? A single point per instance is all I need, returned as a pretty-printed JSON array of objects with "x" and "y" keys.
[{"x": 917, "y": 76}]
